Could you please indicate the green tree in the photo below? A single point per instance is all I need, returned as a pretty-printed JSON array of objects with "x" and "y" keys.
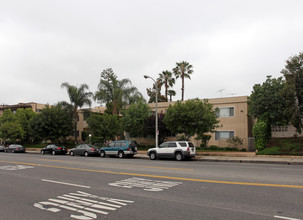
[
  {"x": 171, "y": 93},
  {"x": 116, "y": 94},
  {"x": 269, "y": 103},
  {"x": 52, "y": 123},
  {"x": 183, "y": 70},
  {"x": 106, "y": 126},
  {"x": 24, "y": 117},
  {"x": 166, "y": 79},
  {"x": 191, "y": 118},
  {"x": 10, "y": 127},
  {"x": 151, "y": 92},
  {"x": 293, "y": 73},
  {"x": 11, "y": 131},
  {"x": 7, "y": 116},
  {"x": 150, "y": 127},
  {"x": 78, "y": 98},
  {"x": 134, "y": 118}
]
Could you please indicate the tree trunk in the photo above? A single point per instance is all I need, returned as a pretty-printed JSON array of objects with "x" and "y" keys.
[{"x": 182, "y": 88}]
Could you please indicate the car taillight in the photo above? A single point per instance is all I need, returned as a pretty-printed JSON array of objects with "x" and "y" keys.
[
  {"x": 187, "y": 148},
  {"x": 128, "y": 148},
  {"x": 93, "y": 149},
  {"x": 17, "y": 148},
  {"x": 59, "y": 148}
]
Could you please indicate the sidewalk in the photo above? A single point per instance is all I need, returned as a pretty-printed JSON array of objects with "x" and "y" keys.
[
  {"x": 246, "y": 157},
  {"x": 238, "y": 157}
]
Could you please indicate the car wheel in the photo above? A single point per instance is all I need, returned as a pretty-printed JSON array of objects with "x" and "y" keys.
[
  {"x": 120, "y": 154},
  {"x": 179, "y": 156},
  {"x": 71, "y": 153},
  {"x": 42, "y": 152},
  {"x": 53, "y": 152},
  {"x": 102, "y": 153},
  {"x": 85, "y": 154},
  {"x": 152, "y": 156}
]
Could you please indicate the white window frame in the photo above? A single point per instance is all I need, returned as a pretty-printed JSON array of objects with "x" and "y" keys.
[
  {"x": 218, "y": 136},
  {"x": 229, "y": 112}
]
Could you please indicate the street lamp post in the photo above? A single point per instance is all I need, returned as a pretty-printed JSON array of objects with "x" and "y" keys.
[
  {"x": 90, "y": 138},
  {"x": 156, "y": 132}
]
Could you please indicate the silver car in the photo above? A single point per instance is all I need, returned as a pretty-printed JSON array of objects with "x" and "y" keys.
[{"x": 179, "y": 150}]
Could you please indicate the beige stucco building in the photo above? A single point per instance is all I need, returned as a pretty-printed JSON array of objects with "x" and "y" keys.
[
  {"x": 36, "y": 107},
  {"x": 233, "y": 117}
]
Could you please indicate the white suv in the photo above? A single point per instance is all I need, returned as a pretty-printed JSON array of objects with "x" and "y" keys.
[{"x": 173, "y": 149}]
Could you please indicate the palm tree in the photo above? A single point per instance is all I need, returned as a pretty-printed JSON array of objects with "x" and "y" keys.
[
  {"x": 167, "y": 80},
  {"x": 78, "y": 98},
  {"x": 116, "y": 93},
  {"x": 171, "y": 93},
  {"x": 183, "y": 70}
]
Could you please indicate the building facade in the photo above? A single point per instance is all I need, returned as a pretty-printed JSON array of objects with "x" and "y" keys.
[{"x": 233, "y": 117}]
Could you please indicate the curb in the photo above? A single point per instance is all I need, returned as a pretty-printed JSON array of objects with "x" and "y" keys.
[
  {"x": 255, "y": 159},
  {"x": 288, "y": 161}
]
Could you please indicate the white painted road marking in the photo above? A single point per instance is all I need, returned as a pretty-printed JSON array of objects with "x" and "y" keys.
[
  {"x": 69, "y": 184},
  {"x": 148, "y": 185},
  {"x": 84, "y": 206},
  {"x": 287, "y": 218},
  {"x": 17, "y": 167}
]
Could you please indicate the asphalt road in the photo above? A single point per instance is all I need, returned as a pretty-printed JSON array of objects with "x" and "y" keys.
[{"x": 37, "y": 186}]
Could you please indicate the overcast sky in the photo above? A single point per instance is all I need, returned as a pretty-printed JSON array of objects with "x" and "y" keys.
[{"x": 232, "y": 45}]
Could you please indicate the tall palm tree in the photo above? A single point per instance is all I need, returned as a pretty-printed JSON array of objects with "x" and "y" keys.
[
  {"x": 166, "y": 78},
  {"x": 171, "y": 93},
  {"x": 115, "y": 93},
  {"x": 183, "y": 70},
  {"x": 78, "y": 98}
]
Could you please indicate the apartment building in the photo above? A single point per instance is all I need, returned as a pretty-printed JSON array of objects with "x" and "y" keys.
[
  {"x": 233, "y": 117},
  {"x": 36, "y": 107}
]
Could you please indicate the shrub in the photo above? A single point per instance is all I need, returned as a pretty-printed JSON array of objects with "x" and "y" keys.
[
  {"x": 270, "y": 151},
  {"x": 260, "y": 132},
  {"x": 234, "y": 142}
]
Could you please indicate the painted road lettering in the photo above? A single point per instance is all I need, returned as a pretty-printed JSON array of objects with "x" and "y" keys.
[
  {"x": 146, "y": 184},
  {"x": 16, "y": 167},
  {"x": 83, "y": 205}
]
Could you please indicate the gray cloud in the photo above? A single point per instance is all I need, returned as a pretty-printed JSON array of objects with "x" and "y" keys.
[{"x": 232, "y": 45}]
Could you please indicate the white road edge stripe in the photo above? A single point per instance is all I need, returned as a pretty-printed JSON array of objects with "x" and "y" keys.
[
  {"x": 282, "y": 217},
  {"x": 69, "y": 184}
]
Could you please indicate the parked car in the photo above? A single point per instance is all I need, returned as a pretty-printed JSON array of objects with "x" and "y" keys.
[
  {"x": 173, "y": 149},
  {"x": 84, "y": 149},
  {"x": 121, "y": 149},
  {"x": 15, "y": 148},
  {"x": 54, "y": 149},
  {"x": 2, "y": 148}
]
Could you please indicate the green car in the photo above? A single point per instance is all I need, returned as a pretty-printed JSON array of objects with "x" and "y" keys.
[{"x": 121, "y": 149}]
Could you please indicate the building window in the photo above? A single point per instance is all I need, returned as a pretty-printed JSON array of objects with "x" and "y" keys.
[
  {"x": 224, "y": 135},
  {"x": 226, "y": 112}
]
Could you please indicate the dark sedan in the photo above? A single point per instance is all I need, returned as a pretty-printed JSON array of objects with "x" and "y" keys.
[
  {"x": 2, "y": 148},
  {"x": 85, "y": 149},
  {"x": 15, "y": 148},
  {"x": 54, "y": 149}
]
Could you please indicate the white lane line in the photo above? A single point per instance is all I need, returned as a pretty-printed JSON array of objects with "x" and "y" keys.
[
  {"x": 69, "y": 184},
  {"x": 282, "y": 217}
]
